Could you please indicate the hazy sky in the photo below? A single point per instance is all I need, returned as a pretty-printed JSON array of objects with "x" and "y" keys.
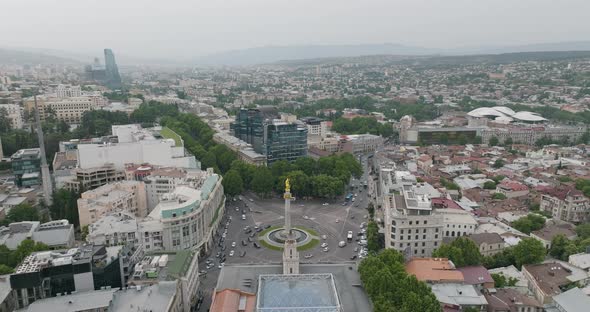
[{"x": 184, "y": 28}]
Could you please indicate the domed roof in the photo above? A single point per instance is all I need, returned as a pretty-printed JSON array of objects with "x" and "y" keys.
[
  {"x": 485, "y": 111},
  {"x": 528, "y": 116}
]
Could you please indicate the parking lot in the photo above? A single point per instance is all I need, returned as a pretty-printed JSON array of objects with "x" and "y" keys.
[{"x": 330, "y": 219}]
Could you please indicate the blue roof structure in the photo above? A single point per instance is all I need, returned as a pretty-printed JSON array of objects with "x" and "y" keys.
[{"x": 297, "y": 293}]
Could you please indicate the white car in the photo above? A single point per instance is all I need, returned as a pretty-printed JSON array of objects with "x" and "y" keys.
[
  {"x": 342, "y": 244},
  {"x": 308, "y": 256},
  {"x": 221, "y": 265},
  {"x": 337, "y": 220},
  {"x": 233, "y": 244},
  {"x": 326, "y": 249},
  {"x": 243, "y": 217},
  {"x": 305, "y": 217},
  {"x": 325, "y": 204},
  {"x": 323, "y": 245},
  {"x": 251, "y": 200},
  {"x": 232, "y": 253},
  {"x": 324, "y": 237}
]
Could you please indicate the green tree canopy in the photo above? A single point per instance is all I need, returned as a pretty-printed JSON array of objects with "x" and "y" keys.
[
  {"x": 232, "y": 183},
  {"x": 529, "y": 251},
  {"x": 462, "y": 251}
]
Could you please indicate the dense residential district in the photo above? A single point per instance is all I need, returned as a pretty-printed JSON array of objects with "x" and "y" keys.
[{"x": 345, "y": 185}]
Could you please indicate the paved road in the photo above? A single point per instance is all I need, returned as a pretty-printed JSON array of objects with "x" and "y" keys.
[{"x": 333, "y": 220}]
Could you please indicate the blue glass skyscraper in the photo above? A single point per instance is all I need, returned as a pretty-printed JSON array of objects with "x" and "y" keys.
[{"x": 113, "y": 79}]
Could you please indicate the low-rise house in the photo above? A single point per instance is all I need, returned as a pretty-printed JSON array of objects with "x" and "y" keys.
[
  {"x": 511, "y": 300},
  {"x": 233, "y": 300},
  {"x": 511, "y": 272},
  {"x": 489, "y": 244},
  {"x": 581, "y": 260},
  {"x": 551, "y": 230},
  {"x": 459, "y": 295},
  {"x": 434, "y": 270},
  {"x": 477, "y": 276},
  {"x": 512, "y": 189},
  {"x": 573, "y": 300},
  {"x": 546, "y": 280}
]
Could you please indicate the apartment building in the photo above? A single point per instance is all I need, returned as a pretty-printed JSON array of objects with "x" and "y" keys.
[
  {"x": 91, "y": 178},
  {"x": 67, "y": 109},
  {"x": 15, "y": 114},
  {"x": 566, "y": 204},
  {"x": 113, "y": 229},
  {"x": 164, "y": 180},
  {"x": 411, "y": 226},
  {"x": 127, "y": 196}
]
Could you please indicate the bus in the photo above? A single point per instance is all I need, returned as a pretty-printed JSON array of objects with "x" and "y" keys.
[{"x": 349, "y": 197}]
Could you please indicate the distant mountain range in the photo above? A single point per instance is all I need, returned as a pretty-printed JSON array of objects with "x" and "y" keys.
[{"x": 273, "y": 54}]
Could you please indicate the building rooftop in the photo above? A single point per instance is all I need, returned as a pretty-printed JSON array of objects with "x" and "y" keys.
[
  {"x": 549, "y": 276},
  {"x": 155, "y": 297},
  {"x": 437, "y": 270},
  {"x": 475, "y": 275},
  {"x": 297, "y": 293},
  {"x": 346, "y": 279},
  {"x": 166, "y": 266},
  {"x": 551, "y": 230},
  {"x": 84, "y": 301},
  {"x": 511, "y": 272},
  {"x": 458, "y": 294},
  {"x": 26, "y": 154},
  {"x": 502, "y": 299},
  {"x": 118, "y": 222},
  {"x": 573, "y": 300},
  {"x": 233, "y": 300},
  {"x": 581, "y": 260},
  {"x": 489, "y": 238}
]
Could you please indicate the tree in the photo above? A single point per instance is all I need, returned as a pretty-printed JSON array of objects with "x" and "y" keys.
[
  {"x": 508, "y": 142},
  {"x": 532, "y": 222},
  {"x": 462, "y": 251},
  {"x": 583, "y": 230},
  {"x": 5, "y": 122},
  {"x": 390, "y": 288},
  {"x": 489, "y": 185},
  {"x": 493, "y": 141},
  {"x": 23, "y": 212},
  {"x": 501, "y": 281},
  {"x": 371, "y": 210},
  {"x": 262, "y": 182},
  {"x": 499, "y": 163},
  {"x": 65, "y": 206},
  {"x": 232, "y": 183},
  {"x": 498, "y": 196},
  {"x": 4, "y": 269},
  {"x": 562, "y": 248},
  {"x": 373, "y": 241},
  {"x": 529, "y": 251}
]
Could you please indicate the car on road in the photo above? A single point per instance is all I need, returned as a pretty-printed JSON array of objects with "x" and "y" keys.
[
  {"x": 233, "y": 244},
  {"x": 252, "y": 234},
  {"x": 307, "y": 256},
  {"x": 237, "y": 209},
  {"x": 305, "y": 217},
  {"x": 323, "y": 245},
  {"x": 342, "y": 244},
  {"x": 245, "y": 243},
  {"x": 223, "y": 248},
  {"x": 251, "y": 199},
  {"x": 249, "y": 239},
  {"x": 349, "y": 236},
  {"x": 231, "y": 253},
  {"x": 243, "y": 253},
  {"x": 243, "y": 217},
  {"x": 256, "y": 227},
  {"x": 363, "y": 242},
  {"x": 356, "y": 249},
  {"x": 337, "y": 220},
  {"x": 256, "y": 245},
  {"x": 326, "y": 249},
  {"x": 353, "y": 257},
  {"x": 221, "y": 265},
  {"x": 266, "y": 227},
  {"x": 325, "y": 204},
  {"x": 324, "y": 237},
  {"x": 243, "y": 211}
]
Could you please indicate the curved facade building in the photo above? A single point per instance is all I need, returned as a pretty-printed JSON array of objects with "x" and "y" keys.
[{"x": 185, "y": 218}]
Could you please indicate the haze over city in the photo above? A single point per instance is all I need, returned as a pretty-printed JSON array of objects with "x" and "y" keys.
[
  {"x": 317, "y": 156},
  {"x": 185, "y": 29}
]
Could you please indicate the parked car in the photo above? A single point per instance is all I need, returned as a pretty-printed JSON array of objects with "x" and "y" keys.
[
  {"x": 231, "y": 253},
  {"x": 353, "y": 257},
  {"x": 324, "y": 245},
  {"x": 243, "y": 253},
  {"x": 326, "y": 249},
  {"x": 245, "y": 243},
  {"x": 256, "y": 245},
  {"x": 342, "y": 244},
  {"x": 233, "y": 244},
  {"x": 243, "y": 217},
  {"x": 307, "y": 256}
]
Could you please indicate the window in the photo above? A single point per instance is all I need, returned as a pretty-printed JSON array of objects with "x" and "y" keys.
[
  {"x": 423, "y": 236},
  {"x": 402, "y": 231},
  {"x": 401, "y": 245},
  {"x": 415, "y": 251},
  {"x": 422, "y": 251},
  {"x": 417, "y": 236},
  {"x": 423, "y": 244},
  {"x": 424, "y": 231},
  {"x": 435, "y": 235},
  {"x": 415, "y": 244},
  {"x": 410, "y": 222},
  {"x": 425, "y": 221},
  {"x": 409, "y": 237},
  {"x": 435, "y": 243}
]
